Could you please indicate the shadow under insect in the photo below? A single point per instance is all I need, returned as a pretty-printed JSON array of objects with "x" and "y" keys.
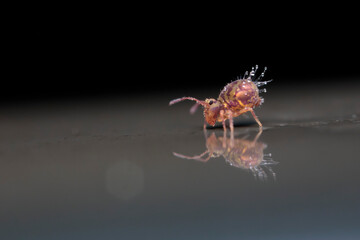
[{"x": 238, "y": 152}]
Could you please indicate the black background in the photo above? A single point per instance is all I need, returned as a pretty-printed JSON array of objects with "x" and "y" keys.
[{"x": 118, "y": 55}]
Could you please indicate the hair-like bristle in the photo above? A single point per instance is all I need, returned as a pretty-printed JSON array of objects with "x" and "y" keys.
[
  {"x": 253, "y": 72},
  {"x": 261, "y": 75},
  {"x": 262, "y": 90},
  {"x": 259, "y": 84}
]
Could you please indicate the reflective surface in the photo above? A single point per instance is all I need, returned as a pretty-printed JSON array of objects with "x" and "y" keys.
[
  {"x": 105, "y": 169},
  {"x": 238, "y": 152}
]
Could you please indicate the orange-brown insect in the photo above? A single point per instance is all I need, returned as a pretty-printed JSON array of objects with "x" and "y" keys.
[{"x": 236, "y": 98}]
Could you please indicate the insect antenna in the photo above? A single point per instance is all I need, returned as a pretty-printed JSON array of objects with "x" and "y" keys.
[
  {"x": 197, "y": 157},
  {"x": 203, "y": 103}
]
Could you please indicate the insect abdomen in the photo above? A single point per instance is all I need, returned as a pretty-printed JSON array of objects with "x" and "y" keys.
[{"x": 240, "y": 94}]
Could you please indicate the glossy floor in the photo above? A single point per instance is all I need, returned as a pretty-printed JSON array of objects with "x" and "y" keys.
[{"x": 106, "y": 169}]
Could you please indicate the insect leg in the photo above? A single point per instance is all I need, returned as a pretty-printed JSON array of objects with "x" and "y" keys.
[
  {"x": 256, "y": 118},
  {"x": 224, "y": 137},
  {"x": 205, "y": 131},
  {"x": 224, "y": 127},
  {"x": 231, "y": 123},
  {"x": 257, "y": 136}
]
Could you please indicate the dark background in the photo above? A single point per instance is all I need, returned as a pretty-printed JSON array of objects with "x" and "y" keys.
[{"x": 89, "y": 55}]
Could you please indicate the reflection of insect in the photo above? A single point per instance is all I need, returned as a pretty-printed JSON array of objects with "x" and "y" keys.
[
  {"x": 236, "y": 98},
  {"x": 240, "y": 153}
]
